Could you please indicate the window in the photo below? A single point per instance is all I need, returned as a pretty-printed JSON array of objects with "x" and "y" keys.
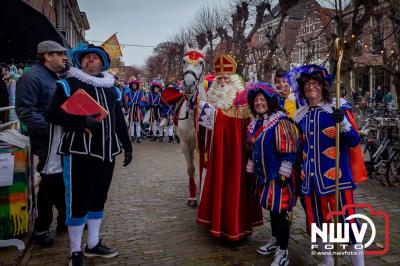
[{"x": 377, "y": 33}]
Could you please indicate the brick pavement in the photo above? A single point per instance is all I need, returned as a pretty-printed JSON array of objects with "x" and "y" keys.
[{"x": 148, "y": 221}]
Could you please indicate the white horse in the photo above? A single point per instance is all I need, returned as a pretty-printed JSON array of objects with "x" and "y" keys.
[{"x": 193, "y": 71}]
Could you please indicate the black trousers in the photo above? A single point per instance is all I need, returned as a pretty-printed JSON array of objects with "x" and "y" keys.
[
  {"x": 51, "y": 193},
  {"x": 280, "y": 228},
  {"x": 87, "y": 181}
]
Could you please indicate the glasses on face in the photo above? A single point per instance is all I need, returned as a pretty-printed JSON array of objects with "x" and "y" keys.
[{"x": 312, "y": 84}]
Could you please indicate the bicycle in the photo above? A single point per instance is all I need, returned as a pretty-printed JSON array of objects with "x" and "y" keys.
[{"x": 378, "y": 154}]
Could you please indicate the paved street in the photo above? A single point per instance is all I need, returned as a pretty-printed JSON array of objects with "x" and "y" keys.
[{"x": 148, "y": 221}]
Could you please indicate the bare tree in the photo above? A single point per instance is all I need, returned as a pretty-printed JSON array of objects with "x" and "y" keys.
[
  {"x": 350, "y": 24},
  {"x": 204, "y": 25},
  {"x": 392, "y": 54},
  {"x": 246, "y": 19}
]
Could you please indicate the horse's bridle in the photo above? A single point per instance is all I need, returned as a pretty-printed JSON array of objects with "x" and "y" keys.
[{"x": 190, "y": 101}]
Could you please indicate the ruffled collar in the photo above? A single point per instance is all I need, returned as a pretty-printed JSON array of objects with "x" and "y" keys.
[
  {"x": 268, "y": 121},
  {"x": 327, "y": 107},
  {"x": 106, "y": 81}
]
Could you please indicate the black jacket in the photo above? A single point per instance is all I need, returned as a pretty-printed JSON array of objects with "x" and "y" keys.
[
  {"x": 33, "y": 93},
  {"x": 104, "y": 139}
]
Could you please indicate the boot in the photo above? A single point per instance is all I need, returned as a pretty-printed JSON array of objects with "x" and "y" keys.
[
  {"x": 177, "y": 139},
  {"x": 170, "y": 139}
]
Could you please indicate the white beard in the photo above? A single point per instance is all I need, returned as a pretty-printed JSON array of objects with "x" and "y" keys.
[{"x": 222, "y": 97}]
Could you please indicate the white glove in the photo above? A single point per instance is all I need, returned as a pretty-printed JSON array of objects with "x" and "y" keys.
[{"x": 250, "y": 167}]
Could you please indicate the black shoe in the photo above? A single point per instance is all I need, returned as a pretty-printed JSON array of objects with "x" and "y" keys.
[
  {"x": 61, "y": 228},
  {"x": 177, "y": 139},
  {"x": 100, "y": 250},
  {"x": 138, "y": 140},
  {"x": 132, "y": 139},
  {"x": 161, "y": 139},
  {"x": 170, "y": 139},
  {"x": 154, "y": 139},
  {"x": 43, "y": 239},
  {"x": 76, "y": 259}
]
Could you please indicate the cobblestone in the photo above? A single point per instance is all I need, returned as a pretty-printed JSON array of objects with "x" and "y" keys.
[{"x": 148, "y": 221}]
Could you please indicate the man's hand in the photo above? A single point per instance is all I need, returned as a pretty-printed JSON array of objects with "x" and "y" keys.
[
  {"x": 282, "y": 181},
  {"x": 127, "y": 158},
  {"x": 91, "y": 120},
  {"x": 338, "y": 115}
]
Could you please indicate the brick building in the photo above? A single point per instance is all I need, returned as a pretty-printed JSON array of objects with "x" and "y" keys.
[
  {"x": 313, "y": 40},
  {"x": 374, "y": 47},
  {"x": 285, "y": 40},
  {"x": 66, "y": 16}
]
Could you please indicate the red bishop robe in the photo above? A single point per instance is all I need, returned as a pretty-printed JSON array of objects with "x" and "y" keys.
[{"x": 227, "y": 204}]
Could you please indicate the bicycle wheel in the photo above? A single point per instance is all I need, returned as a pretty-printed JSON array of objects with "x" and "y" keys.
[
  {"x": 376, "y": 169},
  {"x": 393, "y": 170}
]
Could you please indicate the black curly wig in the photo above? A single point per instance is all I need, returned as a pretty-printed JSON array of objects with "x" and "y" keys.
[
  {"x": 273, "y": 103},
  {"x": 326, "y": 95}
]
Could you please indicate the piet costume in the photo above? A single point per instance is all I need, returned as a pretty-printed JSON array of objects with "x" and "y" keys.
[
  {"x": 155, "y": 109},
  {"x": 89, "y": 148},
  {"x": 227, "y": 204},
  {"x": 135, "y": 99},
  {"x": 317, "y": 128},
  {"x": 273, "y": 138},
  {"x": 287, "y": 99}
]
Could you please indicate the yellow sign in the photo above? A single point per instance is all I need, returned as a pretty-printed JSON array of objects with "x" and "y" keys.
[{"x": 112, "y": 46}]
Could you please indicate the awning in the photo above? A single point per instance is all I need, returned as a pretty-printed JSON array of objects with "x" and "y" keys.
[{"x": 22, "y": 27}]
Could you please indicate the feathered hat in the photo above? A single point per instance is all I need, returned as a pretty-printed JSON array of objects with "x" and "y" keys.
[
  {"x": 79, "y": 52},
  {"x": 208, "y": 80},
  {"x": 297, "y": 76},
  {"x": 135, "y": 81},
  {"x": 155, "y": 84},
  {"x": 253, "y": 88}
]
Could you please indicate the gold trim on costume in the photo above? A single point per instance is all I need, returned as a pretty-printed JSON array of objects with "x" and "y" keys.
[{"x": 238, "y": 112}]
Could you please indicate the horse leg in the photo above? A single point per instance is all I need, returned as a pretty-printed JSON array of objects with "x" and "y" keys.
[{"x": 188, "y": 152}]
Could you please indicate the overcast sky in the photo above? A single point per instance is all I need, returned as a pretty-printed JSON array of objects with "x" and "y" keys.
[{"x": 145, "y": 22}]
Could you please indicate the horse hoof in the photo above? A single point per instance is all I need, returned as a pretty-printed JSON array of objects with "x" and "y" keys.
[{"x": 192, "y": 203}]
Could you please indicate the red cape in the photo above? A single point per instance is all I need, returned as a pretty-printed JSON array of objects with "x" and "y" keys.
[{"x": 227, "y": 204}]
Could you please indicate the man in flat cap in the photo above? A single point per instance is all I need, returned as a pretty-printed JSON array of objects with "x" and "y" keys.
[{"x": 34, "y": 91}]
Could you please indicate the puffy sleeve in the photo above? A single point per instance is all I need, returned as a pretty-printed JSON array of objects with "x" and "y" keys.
[
  {"x": 286, "y": 137},
  {"x": 348, "y": 129}
]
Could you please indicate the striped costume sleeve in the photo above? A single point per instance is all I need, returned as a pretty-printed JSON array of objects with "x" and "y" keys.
[{"x": 287, "y": 145}]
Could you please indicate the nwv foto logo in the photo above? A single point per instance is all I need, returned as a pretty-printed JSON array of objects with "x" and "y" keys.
[{"x": 340, "y": 233}]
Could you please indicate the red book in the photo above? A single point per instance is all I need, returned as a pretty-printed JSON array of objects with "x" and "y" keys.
[{"x": 81, "y": 103}]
